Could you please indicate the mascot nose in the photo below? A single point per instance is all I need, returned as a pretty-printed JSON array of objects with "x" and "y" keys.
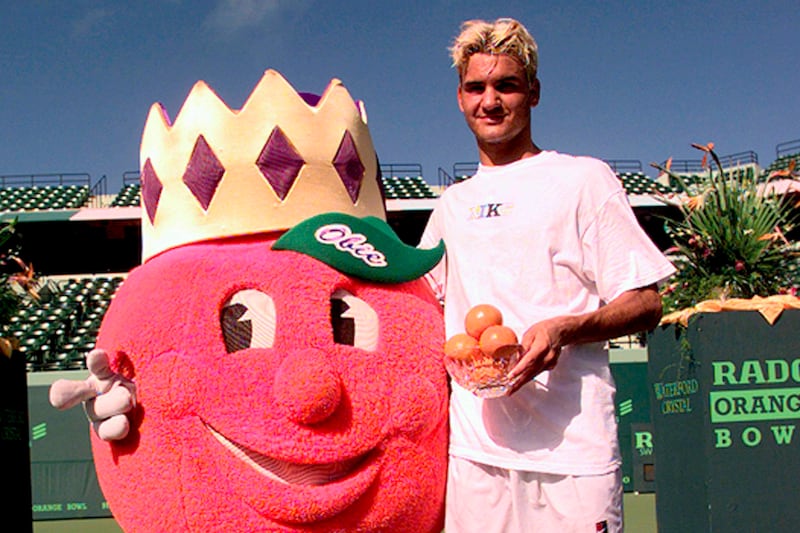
[{"x": 306, "y": 388}]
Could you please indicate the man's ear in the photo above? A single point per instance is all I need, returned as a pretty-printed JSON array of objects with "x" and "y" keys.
[
  {"x": 535, "y": 92},
  {"x": 458, "y": 98}
]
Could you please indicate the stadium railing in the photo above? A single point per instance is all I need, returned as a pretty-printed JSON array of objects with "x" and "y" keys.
[
  {"x": 787, "y": 148},
  {"x": 625, "y": 165}
]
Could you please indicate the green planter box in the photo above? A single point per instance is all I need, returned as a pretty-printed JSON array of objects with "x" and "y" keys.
[{"x": 725, "y": 400}]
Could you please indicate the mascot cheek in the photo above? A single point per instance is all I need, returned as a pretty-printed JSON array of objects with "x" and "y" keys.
[
  {"x": 418, "y": 409},
  {"x": 141, "y": 475}
]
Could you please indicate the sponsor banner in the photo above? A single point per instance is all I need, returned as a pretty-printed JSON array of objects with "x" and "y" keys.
[{"x": 63, "y": 479}]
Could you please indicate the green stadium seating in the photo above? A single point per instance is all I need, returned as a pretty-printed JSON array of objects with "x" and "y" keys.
[
  {"x": 56, "y": 334},
  {"x": 129, "y": 196},
  {"x": 48, "y": 197},
  {"x": 639, "y": 183},
  {"x": 406, "y": 188}
]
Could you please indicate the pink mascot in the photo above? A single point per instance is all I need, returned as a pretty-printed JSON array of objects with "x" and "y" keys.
[{"x": 275, "y": 363}]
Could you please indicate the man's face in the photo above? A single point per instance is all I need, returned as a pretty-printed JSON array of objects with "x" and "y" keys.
[{"x": 496, "y": 99}]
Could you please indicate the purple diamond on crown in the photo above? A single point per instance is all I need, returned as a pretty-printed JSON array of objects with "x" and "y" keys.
[
  {"x": 151, "y": 189},
  {"x": 203, "y": 173},
  {"x": 349, "y": 166},
  {"x": 280, "y": 163}
]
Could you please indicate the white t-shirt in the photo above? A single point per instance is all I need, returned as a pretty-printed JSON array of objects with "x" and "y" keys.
[{"x": 547, "y": 235}]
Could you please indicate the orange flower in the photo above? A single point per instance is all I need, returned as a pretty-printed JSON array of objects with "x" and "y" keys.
[
  {"x": 787, "y": 172},
  {"x": 777, "y": 234},
  {"x": 707, "y": 148},
  {"x": 704, "y": 147},
  {"x": 25, "y": 279},
  {"x": 695, "y": 202}
]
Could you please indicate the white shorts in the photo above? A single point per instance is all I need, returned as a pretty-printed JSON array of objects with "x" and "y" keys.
[{"x": 487, "y": 499}]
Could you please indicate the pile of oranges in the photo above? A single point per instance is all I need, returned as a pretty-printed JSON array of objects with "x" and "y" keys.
[
  {"x": 480, "y": 358},
  {"x": 484, "y": 335}
]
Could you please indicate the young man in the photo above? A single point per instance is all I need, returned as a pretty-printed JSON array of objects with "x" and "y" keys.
[{"x": 550, "y": 240}]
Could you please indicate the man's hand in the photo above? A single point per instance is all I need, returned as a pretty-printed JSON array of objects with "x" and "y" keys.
[
  {"x": 107, "y": 397},
  {"x": 541, "y": 345}
]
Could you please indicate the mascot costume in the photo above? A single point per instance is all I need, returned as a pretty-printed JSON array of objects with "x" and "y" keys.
[{"x": 278, "y": 353}]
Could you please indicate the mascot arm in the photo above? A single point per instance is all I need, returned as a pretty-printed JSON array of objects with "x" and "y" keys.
[{"x": 107, "y": 397}]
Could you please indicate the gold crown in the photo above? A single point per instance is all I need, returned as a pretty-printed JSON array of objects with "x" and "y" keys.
[{"x": 217, "y": 172}]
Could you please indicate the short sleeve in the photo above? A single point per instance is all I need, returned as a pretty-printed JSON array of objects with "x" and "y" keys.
[{"x": 618, "y": 254}]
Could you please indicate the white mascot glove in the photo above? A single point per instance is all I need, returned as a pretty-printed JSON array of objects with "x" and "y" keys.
[{"x": 107, "y": 397}]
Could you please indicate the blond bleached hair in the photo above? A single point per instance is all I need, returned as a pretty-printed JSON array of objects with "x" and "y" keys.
[{"x": 503, "y": 36}]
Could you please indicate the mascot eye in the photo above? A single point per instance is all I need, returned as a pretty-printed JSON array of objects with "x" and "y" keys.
[
  {"x": 354, "y": 322},
  {"x": 248, "y": 321}
]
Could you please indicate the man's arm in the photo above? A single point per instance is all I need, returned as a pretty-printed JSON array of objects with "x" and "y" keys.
[{"x": 630, "y": 312}]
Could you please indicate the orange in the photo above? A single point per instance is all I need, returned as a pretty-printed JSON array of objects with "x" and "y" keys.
[
  {"x": 495, "y": 337},
  {"x": 461, "y": 347},
  {"x": 481, "y": 317}
]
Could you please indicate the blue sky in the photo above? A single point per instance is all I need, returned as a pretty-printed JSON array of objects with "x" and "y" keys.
[{"x": 620, "y": 80}]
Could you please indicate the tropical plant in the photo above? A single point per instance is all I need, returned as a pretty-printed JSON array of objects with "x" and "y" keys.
[
  {"x": 731, "y": 239},
  {"x": 10, "y": 298},
  {"x": 19, "y": 285}
]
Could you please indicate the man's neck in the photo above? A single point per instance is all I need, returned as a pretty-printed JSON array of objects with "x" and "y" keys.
[{"x": 496, "y": 155}]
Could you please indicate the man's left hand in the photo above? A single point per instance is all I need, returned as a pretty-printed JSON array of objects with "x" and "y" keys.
[{"x": 541, "y": 352}]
